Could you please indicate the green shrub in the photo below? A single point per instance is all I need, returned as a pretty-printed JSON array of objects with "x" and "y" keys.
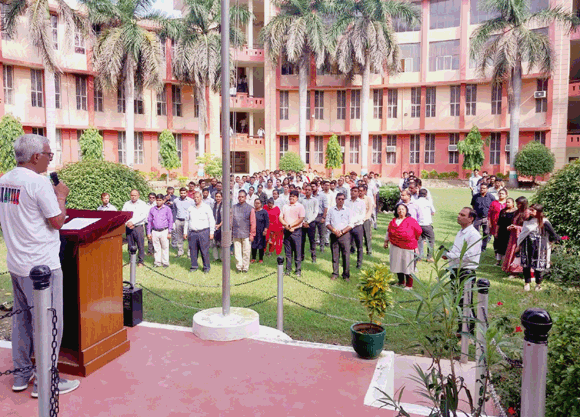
[
  {"x": 212, "y": 165},
  {"x": 88, "y": 179},
  {"x": 389, "y": 195},
  {"x": 168, "y": 151},
  {"x": 472, "y": 149},
  {"x": 454, "y": 175},
  {"x": 444, "y": 175},
  {"x": 433, "y": 174},
  {"x": 10, "y": 130},
  {"x": 534, "y": 160},
  {"x": 91, "y": 143},
  {"x": 560, "y": 197},
  {"x": 333, "y": 153},
  {"x": 563, "y": 397},
  {"x": 291, "y": 162},
  {"x": 424, "y": 174},
  {"x": 565, "y": 264},
  {"x": 374, "y": 291}
]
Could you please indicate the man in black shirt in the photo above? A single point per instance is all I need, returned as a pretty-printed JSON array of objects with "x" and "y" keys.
[{"x": 480, "y": 203}]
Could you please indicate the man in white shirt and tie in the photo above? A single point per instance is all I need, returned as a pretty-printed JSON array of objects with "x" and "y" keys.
[
  {"x": 358, "y": 209},
  {"x": 134, "y": 228}
]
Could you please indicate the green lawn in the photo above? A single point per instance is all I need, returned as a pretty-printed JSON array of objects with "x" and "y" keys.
[{"x": 303, "y": 324}]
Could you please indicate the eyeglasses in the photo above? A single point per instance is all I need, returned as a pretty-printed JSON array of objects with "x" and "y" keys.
[{"x": 49, "y": 154}]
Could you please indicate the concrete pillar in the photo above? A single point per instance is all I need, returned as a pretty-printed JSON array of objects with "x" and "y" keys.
[
  {"x": 251, "y": 81},
  {"x": 250, "y": 26},
  {"x": 251, "y": 124}
]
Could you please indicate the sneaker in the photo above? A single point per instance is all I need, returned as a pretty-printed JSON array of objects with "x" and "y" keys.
[
  {"x": 21, "y": 382},
  {"x": 260, "y": 262},
  {"x": 192, "y": 269},
  {"x": 526, "y": 287},
  {"x": 538, "y": 287},
  {"x": 333, "y": 277},
  {"x": 298, "y": 274},
  {"x": 408, "y": 288},
  {"x": 253, "y": 261},
  {"x": 64, "y": 387}
]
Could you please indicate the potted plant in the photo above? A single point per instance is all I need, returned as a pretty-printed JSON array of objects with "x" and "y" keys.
[{"x": 368, "y": 339}]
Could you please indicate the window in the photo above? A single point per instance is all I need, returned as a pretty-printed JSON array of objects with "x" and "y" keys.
[
  {"x": 36, "y": 88},
  {"x": 400, "y": 25},
  {"x": 429, "y": 148},
  {"x": 377, "y": 145},
  {"x": 8, "y": 73},
  {"x": 172, "y": 51},
  {"x": 58, "y": 150},
  {"x": 496, "y": 93},
  {"x": 163, "y": 50},
  {"x": 414, "y": 149},
  {"x": 176, "y": 97},
  {"x": 99, "y": 106},
  {"x": 121, "y": 147},
  {"x": 410, "y": 57},
  {"x": 287, "y": 68},
  {"x": 179, "y": 145},
  {"x": 537, "y": 5},
  {"x": 416, "y": 102},
  {"x": 477, "y": 15},
  {"x": 507, "y": 146},
  {"x": 57, "y": 96},
  {"x": 138, "y": 102},
  {"x": 161, "y": 103},
  {"x": 283, "y": 105},
  {"x": 453, "y": 155},
  {"x": 139, "y": 148},
  {"x": 542, "y": 103},
  {"x": 80, "y": 152},
  {"x": 540, "y": 137},
  {"x": 341, "y": 105},
  {"x": 392, "y": 99},
  {"x": 494, "y": 148},
  {"x": 196, "y": 108},
  {"x": 391, "y": 154},
  {"x": 283, "y": 145},
  {"x": 355, "y": 104},
  {"x": 454, "y": 100},
  {"x": 470, "y": 99},
  {"x": 319, "y": 105},
  {"x": 308, "y": 149},
  {"x": 197, "y": 153},
  {"x": 79, "y": 41},
  {"x": 378, "y": 103},
  {"x": 318, "y": 150},
  {"x": 38, "y": 131},
  {"x": 308, "y": 110},
  {"x": 81, "y": 92},
  {"x": 444, "y": 13},
  {"x": 444, "y": 55},
  {"x": 54, "y": 27},
  {"x": 430, "y": 101},
  {"x": 121, "y": 99},
  {"x": 354, "y": 149},
  {"x": 3, "y": 12}
]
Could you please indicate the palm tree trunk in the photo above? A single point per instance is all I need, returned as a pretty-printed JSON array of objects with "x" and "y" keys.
[
  {"x": 364, "y": 134},
  {"x": 130, "y": 112},
  {"x": 50, "y": 111},
  {"x": 201, "y": 100},
  {"x": 515, "y": 122},
  {"x": 302, "y": 116}
]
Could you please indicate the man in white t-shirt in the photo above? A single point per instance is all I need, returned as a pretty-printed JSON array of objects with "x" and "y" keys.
[
  {"x": 32, "y": 211},
  {"x": 135, "y": 227}
]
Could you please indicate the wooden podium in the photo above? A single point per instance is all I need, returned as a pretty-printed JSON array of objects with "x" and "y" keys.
[{"x": 92, "y": 265}]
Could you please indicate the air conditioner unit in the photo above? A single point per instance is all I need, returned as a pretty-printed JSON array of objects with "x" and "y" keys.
[
  {"x": 507, "y": 148},
  {"x": 452, "y": 148},
  {"x": 540, "y": 94},
  {"x": 391, "y": 149}
]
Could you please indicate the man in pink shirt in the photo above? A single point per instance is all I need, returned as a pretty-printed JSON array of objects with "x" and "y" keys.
[{"x": 291, "y": 218}]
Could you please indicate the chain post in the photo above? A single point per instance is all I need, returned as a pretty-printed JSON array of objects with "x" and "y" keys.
[
  {"x": 465, "y": 322},
  {"x": 537, "y": 323},
  {"x": 280, "y": 295},
  {"x": 133, "y": 263},
  {"x": 40, "y": 276},
  {"x": 480, "y": 347}
]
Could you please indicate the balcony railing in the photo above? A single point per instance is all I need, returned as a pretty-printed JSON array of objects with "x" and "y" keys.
[
  {"x": 241, "y": 141},
  {"x": 243, "y": 101},
  {"x": 574, "y": 88},
  {"x": 245, "y": 54},
  {"x": 573, "y": 140}
]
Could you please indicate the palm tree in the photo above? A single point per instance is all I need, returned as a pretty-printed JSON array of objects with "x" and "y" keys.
[
  {"x": 40, "y": 33},
  {"x": 197, "y": 59},
  {"x": 504, "y": 42},
  {"x": 126, "y": 52},
  {"x": 298, "y": 32},
  {"x": 365, "y": 41}
]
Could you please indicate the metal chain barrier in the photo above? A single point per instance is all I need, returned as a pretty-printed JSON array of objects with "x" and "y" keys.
[
  {"x": 260, "y": 302},
  {"x": 167, "y": 299},
  {"x": 252, "y": 280},
  {"x": 12, "y": 313},
  {"x": 321, "y": 290},
  {"x": 178, "y": 280},
  {"x": 516, "y": 363},
  {"x": 54, "y": 375},
  {"x": 19, "y": 370},
  {"x": 4, "y": 273}
]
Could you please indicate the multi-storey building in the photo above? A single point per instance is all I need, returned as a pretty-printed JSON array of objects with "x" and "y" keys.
[{"x": 415, "y": 118}]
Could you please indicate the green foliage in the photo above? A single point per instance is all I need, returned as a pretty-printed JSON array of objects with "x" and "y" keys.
[
  {"x": 91, "y": 143},
  {"x": 10, "y": 130},
  {"x": 439, "y": 175},
  {"x": 291, "y": 162},
  {"x": 168, "y": 151},
  {"x": 564, "y": 365},
  {"x": 88, "y": 179},
  {"x": 534, "y": 160},
  {"x": 564, "y": 265},
  {"x": 389, "y": 195},
  {"x": 472, "y": 149},
  {"x": 333, "y": 153},
  {"x": 433, "y": 174},
  {"x": 212, "y": 165},
  {"x": 560, "y": 197},
  {"x": 424, "y": 174},
  {"x": 374, "y": 291}
]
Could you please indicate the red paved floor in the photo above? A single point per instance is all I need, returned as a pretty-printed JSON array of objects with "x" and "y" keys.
[{"x": 173, "y": 373}]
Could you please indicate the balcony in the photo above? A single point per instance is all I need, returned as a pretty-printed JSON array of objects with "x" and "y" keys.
[
  {"x": 241, "y": 101},
  {"x": 247, "y": 54},
  {"x": 574, "y": 88},
  {"x": 243, "y": 141},
  {"x": 573, "y": 140}
]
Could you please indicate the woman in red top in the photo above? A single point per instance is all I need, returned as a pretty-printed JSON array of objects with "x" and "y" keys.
[
  {"x": 492, "y": 218},
  {"x": 402, "y": 234},
  {"x": 275, "y": 232}
]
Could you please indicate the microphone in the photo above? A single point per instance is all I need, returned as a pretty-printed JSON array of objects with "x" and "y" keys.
[{"x": 54, "y": 178}]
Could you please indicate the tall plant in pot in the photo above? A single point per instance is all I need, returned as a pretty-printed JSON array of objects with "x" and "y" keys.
[{"x": 375, "y": 295}]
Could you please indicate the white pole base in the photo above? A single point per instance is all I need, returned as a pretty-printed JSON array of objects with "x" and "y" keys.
[{"x": 211, "y": 324}]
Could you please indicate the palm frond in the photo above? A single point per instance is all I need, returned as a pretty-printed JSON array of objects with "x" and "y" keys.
[
  {"x": 36, "y": 14},
  {"x": 16, "y": 8},
  {"x": 557, "y": 14}
]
